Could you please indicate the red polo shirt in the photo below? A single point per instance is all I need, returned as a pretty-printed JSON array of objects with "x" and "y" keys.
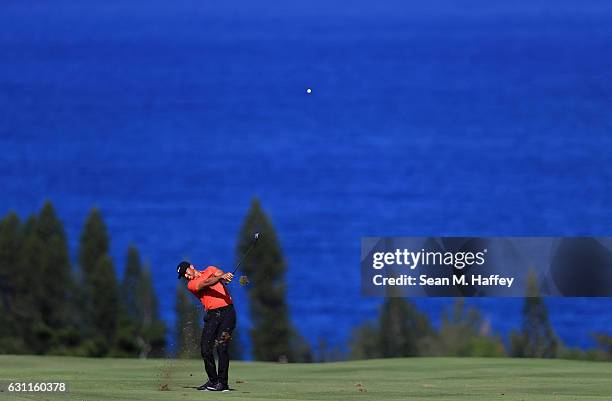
[{"x": 213, "y": 297}]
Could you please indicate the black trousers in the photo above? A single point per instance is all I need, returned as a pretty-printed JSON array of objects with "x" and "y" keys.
[{"x": 217, "y": 333}]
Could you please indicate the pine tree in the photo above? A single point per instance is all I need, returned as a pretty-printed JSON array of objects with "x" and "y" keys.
[
  {"x": 463, "y": 332},
  {"x": 29, "y": 291},
  {"x": 131, "y": 278},
  {"x": 272, "y": 333},
  {"x": 401, "y": 330},
  {"x": 94, "y": 243},
  {"x": 364, "y": 343},
  {"x": 537, "y": 338},
  {"x": 105, "y": 298},
  {"x": 129, "y": 341},
  {"x": 55, "y": 272},
  {"x": 141, "y": 331},
  {"x": 10, "y": 244},
  {"x": 401, "y": 327},
  {"x": 100, "y": 291},
  {"x": 188, "y": 328},
  {"x": 151, "y": 329}
]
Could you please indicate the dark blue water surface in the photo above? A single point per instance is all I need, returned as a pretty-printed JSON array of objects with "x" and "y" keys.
[{"x": 171, "y": 116}]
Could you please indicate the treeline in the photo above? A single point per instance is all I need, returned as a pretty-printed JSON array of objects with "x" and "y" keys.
[
  {"x": 402, "y": 331},
  {"x": 49, "y": 306}
]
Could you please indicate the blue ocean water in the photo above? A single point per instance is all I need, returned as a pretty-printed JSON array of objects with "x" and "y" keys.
[{"x": 422, "y": 121}]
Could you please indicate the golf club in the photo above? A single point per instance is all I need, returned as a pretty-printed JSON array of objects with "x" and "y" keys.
[{"x": 255, "y": 238}]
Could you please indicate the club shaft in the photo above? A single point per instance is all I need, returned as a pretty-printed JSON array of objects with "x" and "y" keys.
[{"x": 245, "y": 255}]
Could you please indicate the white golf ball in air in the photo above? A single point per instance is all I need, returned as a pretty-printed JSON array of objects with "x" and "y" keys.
[{"x": 309, "y": 91}]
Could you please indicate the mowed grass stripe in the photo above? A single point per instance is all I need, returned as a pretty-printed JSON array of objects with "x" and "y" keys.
[{"x": 431, "y": 379}]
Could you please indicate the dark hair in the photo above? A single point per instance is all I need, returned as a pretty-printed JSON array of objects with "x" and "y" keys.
[{"x": 181, "y": 268}]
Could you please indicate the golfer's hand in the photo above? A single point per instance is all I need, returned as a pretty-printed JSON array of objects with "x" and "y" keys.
[{"x": 227, "y": 277}]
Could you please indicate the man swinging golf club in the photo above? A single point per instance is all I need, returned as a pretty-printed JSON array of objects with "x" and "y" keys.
[{"x": 209, "y": 287}]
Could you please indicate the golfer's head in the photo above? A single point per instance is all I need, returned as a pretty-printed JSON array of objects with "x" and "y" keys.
[{"x": 186, "y": 270}]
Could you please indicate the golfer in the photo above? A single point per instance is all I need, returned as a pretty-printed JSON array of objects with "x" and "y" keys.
[{"x": 209, "y": 287}]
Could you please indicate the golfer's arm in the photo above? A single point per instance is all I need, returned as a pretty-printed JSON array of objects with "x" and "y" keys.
[{"x": 208, "y": 282}]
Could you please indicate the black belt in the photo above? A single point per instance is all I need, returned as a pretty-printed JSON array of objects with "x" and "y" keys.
[{"x": 221, "y": 309}]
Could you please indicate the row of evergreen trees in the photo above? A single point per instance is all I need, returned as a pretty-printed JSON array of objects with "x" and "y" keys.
[
  {"x": 49, "y": 307},
  {"x": 402, "y": 330}
]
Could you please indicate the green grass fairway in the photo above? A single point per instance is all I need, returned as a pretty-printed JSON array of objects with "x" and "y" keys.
[{"x": 432, "y": 379}]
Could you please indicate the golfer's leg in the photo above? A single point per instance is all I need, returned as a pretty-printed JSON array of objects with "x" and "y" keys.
[
  {"x": 207, "y": 344},
  {"x": 226, "y": 328}
]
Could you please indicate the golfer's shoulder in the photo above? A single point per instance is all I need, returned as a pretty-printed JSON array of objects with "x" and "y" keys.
[
  {"x": 210, "y": 270},
  {"x": 205, "y": 274}
]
